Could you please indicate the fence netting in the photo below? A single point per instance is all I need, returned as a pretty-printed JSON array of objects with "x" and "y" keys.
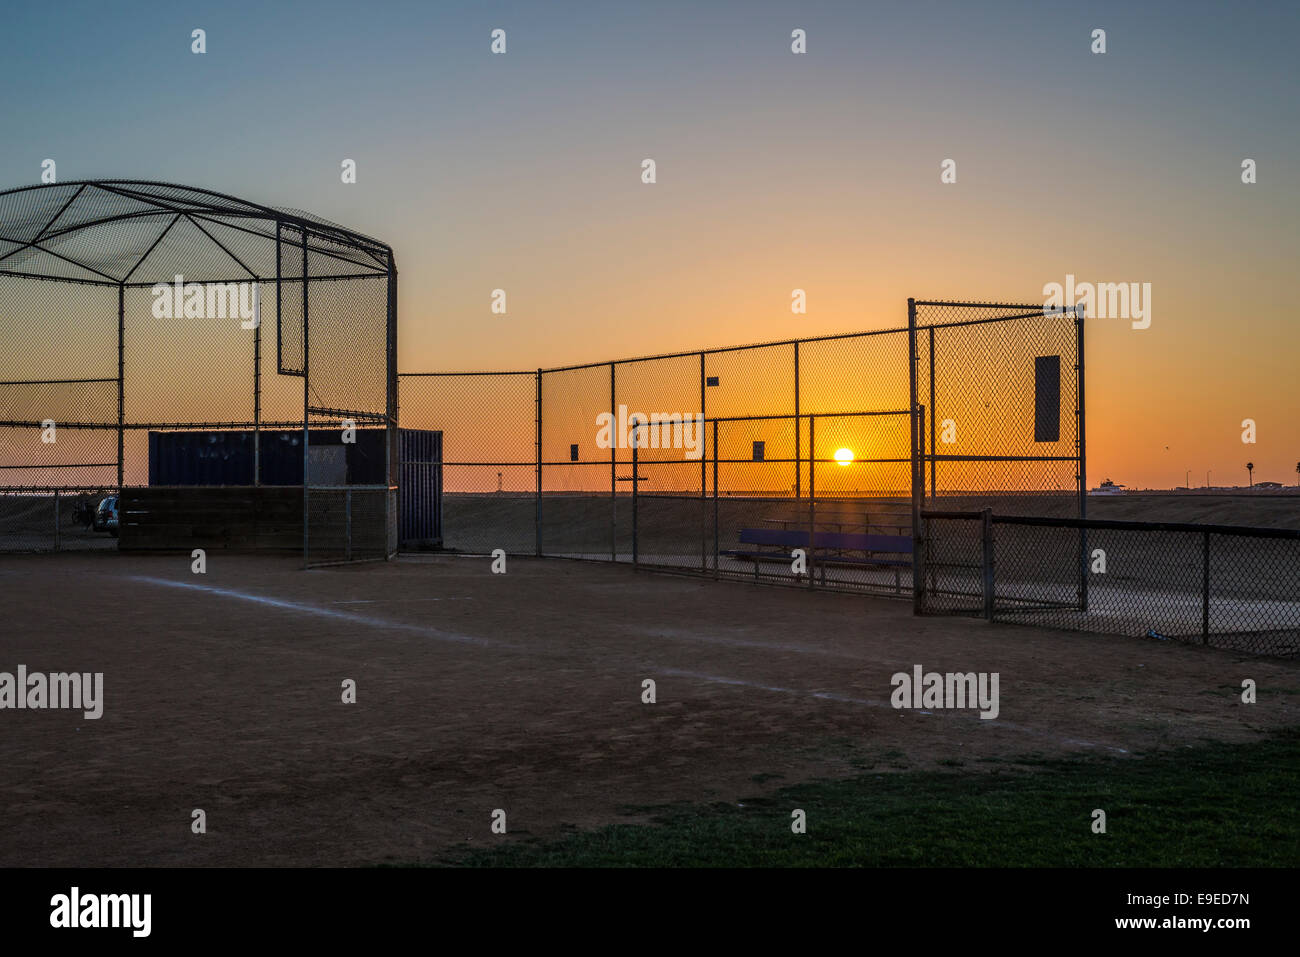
[
  {"x": 489, "y": 455},
  {"x": 1219, "y": 586},
  {"x": 750, "y": 453},
  {"x": 158, "y": 341}
]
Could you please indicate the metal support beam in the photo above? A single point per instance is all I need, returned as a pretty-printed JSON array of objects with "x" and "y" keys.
[
  {"x": 918, "y": 565},
  {"x": 636, "y": 480},
  {"x": 716, "y": 544},
  {"x": 798, "y": 438},
  {"x": 812, "y": 496},
  {"x": 538, "y": 509},
  {"x": 1079, "y": 317},
  {"x": 704, "y": 561},
  {"x": 613, "y": 477},
  {"x": 392, "y": 499},
  {"x": 121, "y": 384},
  {"x": 306, "y": 406}
]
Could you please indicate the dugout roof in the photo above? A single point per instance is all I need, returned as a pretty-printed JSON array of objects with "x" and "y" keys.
[{"x": 138, "y": 233}]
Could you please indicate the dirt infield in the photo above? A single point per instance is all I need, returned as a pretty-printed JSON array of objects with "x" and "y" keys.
[{"x": 520, "y": 691}]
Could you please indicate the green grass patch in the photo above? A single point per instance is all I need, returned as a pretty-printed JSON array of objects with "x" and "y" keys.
[{"x": 1213, "y": 805}]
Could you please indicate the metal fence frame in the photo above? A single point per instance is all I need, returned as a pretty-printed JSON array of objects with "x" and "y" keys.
[
  {"x": 130, "y": 235},
  {"x": 912, "y": 394},
  {"x": 922, "y": 346},
  {"x": 1273, "y": 630}
]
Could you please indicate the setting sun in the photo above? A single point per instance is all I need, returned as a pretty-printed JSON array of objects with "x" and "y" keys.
[{"x": 844, "y": 456}]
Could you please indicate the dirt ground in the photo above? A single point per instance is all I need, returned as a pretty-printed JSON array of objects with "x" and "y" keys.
[{"x": 520, "y": 691}]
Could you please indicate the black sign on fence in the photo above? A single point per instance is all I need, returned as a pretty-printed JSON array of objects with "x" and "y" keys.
[{"x": 1047, "y": 399}]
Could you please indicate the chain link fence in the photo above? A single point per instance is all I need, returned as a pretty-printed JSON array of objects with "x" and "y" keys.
[
  {"x": 1217, "y": 585},
  {"x": 1003, "y": 390},
  {"x": 998, "y": 389},
  {"x": 751, "y": 452},
  {"x": 161, "y": 336}
]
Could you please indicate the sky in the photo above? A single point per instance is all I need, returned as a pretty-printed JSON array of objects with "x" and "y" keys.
[{"x": 775, "y": 171}]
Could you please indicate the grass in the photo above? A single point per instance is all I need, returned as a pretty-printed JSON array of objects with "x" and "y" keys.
[{"x": 1212, "y": 805}]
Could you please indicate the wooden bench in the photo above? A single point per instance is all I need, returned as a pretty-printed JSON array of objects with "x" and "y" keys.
[{"x": 866, "y": 550}]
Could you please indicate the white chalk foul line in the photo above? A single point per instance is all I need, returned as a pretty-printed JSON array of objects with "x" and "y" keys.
[
  {"x": 356, "y": 619},
  {"x": 347, "y": 616}
]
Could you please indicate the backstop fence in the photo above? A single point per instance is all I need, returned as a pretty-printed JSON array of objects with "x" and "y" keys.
[
  {"x": 225, "y": 370},
  {"x": 829, "y": 445},
  {"x": 1217, "y": 585}
]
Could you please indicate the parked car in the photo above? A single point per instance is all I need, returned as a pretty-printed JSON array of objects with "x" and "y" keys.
[{"x": 106, "y": 516}]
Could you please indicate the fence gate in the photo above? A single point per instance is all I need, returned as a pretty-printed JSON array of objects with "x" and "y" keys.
[
  {"x": 997, "y": 394},
  {"x": 420, "y": 488}
]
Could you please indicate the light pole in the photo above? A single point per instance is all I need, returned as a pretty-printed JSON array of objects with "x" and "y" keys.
[
  {"x": 1189, "y": 480},
  {"x": 1207, "y": 477}
]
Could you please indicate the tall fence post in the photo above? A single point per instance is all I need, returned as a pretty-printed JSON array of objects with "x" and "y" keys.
[
  {"x": 613, "y": 473},
  {"x": 56, "y": 520},
  {"x": 986, "y": 536},
  {"x": 636, "y": 480},
  {"x": 306, "y": 405},
  {"x": 121, "y": 383},
  {"x": 926, "y": 564},
  {"x": 933, "y": 477},
  {"x": 1205, "y": 588},
  {"x": 918, "y": 564},
  {"x": 812, "y": 497},
  {"x": 704, "y": 559},
  {"x": 717, "y": 546},
  {"x": 537, "y": 516},
  {"x": 392, "y": 437},
  {"x": 798, "y": 478},
  {"x": 1082, "y": 438},
  {"x": 257, "y": 384}
]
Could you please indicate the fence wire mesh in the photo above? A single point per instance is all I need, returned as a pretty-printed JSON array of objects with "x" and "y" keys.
[
  {"x": 489, "y": 455},
  {"x": 1002, "y": 389},
  {"x": 1220, "y": 586},
  {"x": 747, "y": 448},
  {"x": 142, "y": 316}
]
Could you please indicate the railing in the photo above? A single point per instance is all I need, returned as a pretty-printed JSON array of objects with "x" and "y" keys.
[{"x": 1220, "y": 585}]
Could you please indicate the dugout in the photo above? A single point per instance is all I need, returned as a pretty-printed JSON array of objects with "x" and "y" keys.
[{"x": 200, "y": 488}]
